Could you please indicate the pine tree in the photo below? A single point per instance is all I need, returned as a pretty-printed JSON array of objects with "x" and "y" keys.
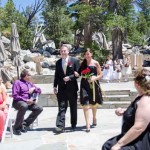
[{"x": 57, "y": 22}]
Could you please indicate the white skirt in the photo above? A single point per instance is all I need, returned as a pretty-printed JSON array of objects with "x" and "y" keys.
[
  {"x": 108, "y": 73},
  {"x": 117, "y": 75},
  {"x": 126, "y": 70}
]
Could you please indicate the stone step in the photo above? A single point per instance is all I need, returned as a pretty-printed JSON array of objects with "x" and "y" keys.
[
  {"x": 50, "y": 100},
  {"x": 45, "y": 79},
  {"x": 116, "y": 98},
  {"x": 114, "y": 95},
  {"x": 116, "y": 92},
  {"x": 106, "y": 104},
  {"x": 115, "y": 104},
  {"x": 42, "y": 79}
]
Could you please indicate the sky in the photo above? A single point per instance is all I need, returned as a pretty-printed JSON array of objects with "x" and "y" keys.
[{"x": 19, "y": 3}]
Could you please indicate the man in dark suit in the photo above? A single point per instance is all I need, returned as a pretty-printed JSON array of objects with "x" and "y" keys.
[{"x": 66, "y": 87}]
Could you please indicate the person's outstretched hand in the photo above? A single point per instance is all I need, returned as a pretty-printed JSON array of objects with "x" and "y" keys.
[
  {"x": 55, "y": 90},
  {"x": 31, "y": 90},
  {"x": 76, "y": 74},
  {"x": 66, "y": 78},
  {"x": 30, "y": 102},
  {"x": 92, "y": 79},
  {"x": 116, "y": 147},
  {"x": 119, "y": 111}
]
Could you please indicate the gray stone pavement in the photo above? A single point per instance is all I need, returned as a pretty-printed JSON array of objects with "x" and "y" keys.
[{"x": 44, "y": 136}]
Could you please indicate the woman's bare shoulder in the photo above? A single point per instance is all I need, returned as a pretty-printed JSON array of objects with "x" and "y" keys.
[
  {"x": 145, "y": 100},
  {"x": 95, "y": 62},
  {"x": 3, "y": 87}
]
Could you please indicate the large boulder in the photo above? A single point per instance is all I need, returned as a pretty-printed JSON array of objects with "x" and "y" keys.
[{"x": 31, "y": 65}]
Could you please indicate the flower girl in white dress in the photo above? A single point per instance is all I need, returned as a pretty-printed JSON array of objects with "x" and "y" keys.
[
  {"x": 117, "y": 73},
  {"x": 126, "y": 68},
  {"x": 108, "y": 70}
]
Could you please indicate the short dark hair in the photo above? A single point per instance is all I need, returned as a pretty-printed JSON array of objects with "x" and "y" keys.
[{"x": 24, "y": 73}]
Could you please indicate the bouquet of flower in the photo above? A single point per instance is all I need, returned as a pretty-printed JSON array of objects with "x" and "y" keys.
[
  {"x": 86, "y": 73},
  {"x": 118, "y": 70},
  {"x": 126, "y": 65},
  {"x": 106, "y": 66}
]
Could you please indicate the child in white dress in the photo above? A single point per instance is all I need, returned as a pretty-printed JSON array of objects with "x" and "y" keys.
[
  {"x": 117, "y": 74},
  {"x": 108, "y": 70},
  {"x": 126, "y": 68}
]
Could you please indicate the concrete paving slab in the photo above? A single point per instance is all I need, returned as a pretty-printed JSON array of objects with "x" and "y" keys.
[{"x": 44, "y": 136}]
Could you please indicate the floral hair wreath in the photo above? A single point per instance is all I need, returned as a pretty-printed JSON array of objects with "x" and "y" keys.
[{"x": 146, "y": 74}]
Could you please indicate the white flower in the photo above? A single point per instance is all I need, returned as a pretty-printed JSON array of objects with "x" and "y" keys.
[{"x": 147, "y": 78}]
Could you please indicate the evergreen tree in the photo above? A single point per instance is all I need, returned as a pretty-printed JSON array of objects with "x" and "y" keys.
[
  {"x": 58, "y": 24},
  {"x": 144, "y": 6}
]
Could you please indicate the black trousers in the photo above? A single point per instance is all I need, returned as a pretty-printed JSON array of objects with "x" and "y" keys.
[
  {"x": 22, "y": 107},
  {"x": 63, "y": 99}
]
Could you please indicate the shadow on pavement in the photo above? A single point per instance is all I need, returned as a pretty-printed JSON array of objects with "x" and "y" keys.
[{"x": 67, "y": 129}]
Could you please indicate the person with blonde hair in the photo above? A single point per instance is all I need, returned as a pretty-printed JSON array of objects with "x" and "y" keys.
[
  {"x": 108, "y": 69},
  {"x": 135, "y": 134},
  {"x": 126, "y": 67},
  {"x": 117, "y": 73},
  {"x": 3, "y": 107}
]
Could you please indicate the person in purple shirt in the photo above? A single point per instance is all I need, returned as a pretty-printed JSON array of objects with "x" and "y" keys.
[{"x": 22, "y": 92}]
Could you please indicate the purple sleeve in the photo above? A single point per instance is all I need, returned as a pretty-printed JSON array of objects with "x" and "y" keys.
[
  {"x": 15, "y": 92},
  {"x": 37, "y": 90}
]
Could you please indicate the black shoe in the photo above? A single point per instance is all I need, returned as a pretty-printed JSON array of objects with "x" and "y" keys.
[
  {"x": 87, "y": 130},
  {"x": 94, "y": 123},
  {"x": 24, "y": 123},
  {"x": 16, "y": 132},
  {"x": 73, "y": 128},
  {"x": 59, "y": 129},
  {"x": 24, "y": 129}
]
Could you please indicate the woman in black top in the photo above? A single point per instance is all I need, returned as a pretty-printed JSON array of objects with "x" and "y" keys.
[{"x": 135, "y": 134}]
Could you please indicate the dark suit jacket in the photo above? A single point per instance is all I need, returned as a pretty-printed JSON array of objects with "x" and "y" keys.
[{"x": 73, "y": 65}]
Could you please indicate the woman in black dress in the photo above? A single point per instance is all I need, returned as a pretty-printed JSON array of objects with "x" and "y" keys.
[
  {"x": 90, "y": 91},
  {"x": 135, "y": 134}
]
